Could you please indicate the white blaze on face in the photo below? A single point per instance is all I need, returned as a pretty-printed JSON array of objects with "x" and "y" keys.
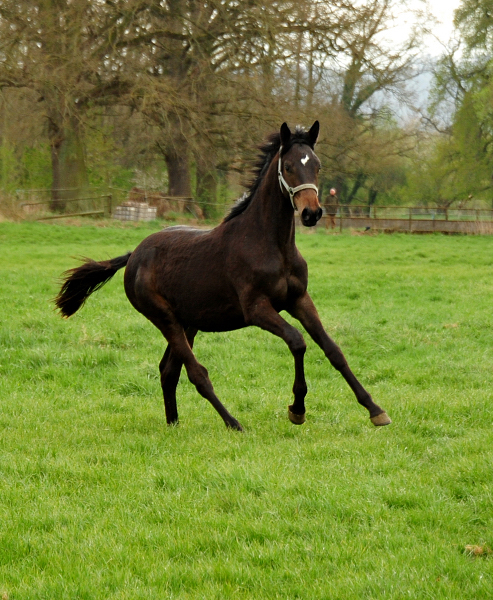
[{"x": 305, "y": 160}]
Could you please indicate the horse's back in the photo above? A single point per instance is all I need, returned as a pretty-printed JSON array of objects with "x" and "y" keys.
[
  {"x": 184, "y": 228},
  {"x": 168, "y": 239}
]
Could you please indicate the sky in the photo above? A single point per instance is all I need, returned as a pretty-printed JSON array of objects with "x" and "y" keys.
[
  {"x": 443, "y": 10},
  {"x": 433, "y": 44}
]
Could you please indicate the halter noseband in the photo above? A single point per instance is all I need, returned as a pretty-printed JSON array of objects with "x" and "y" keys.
[{"x": 292, "y": 191}]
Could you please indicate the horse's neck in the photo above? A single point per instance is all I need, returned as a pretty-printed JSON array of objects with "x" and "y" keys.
[{"x": 272, "y": 216}]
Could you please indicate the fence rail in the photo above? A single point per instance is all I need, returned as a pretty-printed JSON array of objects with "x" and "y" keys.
[
  {"x": 412, "y": 219},
  {"x": 95, "y": 208},
  {"x": 378, "y": 218}
]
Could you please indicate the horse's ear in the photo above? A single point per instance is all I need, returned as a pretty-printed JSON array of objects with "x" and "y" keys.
[
  {"x": 285, "y": 134},
  {"x": 313, "y": 134}
]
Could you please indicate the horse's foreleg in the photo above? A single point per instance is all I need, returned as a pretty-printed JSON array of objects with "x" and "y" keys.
[
  {"x": 305, "y": 311},
  {"x": 170, "y": 368},
  {"x": 262, "y": 314}
]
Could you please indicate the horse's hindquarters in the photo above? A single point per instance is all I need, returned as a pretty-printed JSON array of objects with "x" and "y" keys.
[{"x": 186, "y": 272}]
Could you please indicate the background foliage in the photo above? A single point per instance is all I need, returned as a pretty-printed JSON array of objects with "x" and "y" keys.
[{"x": 177, "y": 94}]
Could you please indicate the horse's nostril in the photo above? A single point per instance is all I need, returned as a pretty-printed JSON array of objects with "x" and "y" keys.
[{"x": 311, "y": 216}]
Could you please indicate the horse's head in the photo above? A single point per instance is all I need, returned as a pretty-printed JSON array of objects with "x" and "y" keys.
[{"x": 298, "y": 169}]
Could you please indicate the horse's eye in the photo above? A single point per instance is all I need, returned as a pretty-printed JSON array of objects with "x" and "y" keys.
[{"x": 288, "y": 168}]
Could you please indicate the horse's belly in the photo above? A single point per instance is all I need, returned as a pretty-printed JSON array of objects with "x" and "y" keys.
[
  {"x": 206, "y": 302},
  {"x": 215, "y": 317}
]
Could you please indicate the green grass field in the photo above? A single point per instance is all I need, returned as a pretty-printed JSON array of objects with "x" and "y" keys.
[{"x": 99, "y": 499}]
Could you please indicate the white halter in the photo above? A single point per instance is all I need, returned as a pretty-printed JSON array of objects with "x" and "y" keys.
[{"x": 292, "y": 191}]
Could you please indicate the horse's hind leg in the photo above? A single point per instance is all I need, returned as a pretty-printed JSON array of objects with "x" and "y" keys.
[
  {"x": 158, "y": 311},
  {"x": 170, "y": 368},
  {"x": 198, "y": 375}
]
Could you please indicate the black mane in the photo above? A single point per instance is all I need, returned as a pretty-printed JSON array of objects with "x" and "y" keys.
[{"x": 267, "y": 152}]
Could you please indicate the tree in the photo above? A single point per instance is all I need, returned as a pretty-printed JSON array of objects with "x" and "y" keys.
[
  {"x": 207, "y": 79},
  {"x": 465, "y": 85},
  {"x": 207, "y": 69},
  {"x": 474, "y": 19},
  {"x": 63, "y": 51},
  {"x": 363, "y": 70}
]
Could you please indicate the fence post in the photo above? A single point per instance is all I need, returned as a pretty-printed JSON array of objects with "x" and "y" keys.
[
  {"x": 109, "y": 199},
  {"x": 410, "y": 219}
]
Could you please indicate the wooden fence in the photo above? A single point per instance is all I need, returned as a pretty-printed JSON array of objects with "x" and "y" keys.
[
  {"x": 411, "y": 219},
  {"x": 42, "y": 210}
]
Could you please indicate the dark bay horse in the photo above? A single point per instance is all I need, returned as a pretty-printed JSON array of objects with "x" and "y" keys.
[{"x": 243, "y": 272}]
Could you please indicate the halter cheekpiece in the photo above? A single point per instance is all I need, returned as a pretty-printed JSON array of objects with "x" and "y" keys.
[{"x": 292, "y": 191}]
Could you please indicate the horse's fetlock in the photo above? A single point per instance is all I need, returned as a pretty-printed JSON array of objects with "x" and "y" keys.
[{"x": 300, "y": 390}]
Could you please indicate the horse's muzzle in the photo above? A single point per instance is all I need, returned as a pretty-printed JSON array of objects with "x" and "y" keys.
[{"x": 310, "y": 217}]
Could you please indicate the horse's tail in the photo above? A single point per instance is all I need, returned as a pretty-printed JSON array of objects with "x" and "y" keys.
[{"x": 81, "y": 282}]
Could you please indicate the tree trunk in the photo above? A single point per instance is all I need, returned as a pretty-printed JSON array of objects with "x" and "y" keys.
[
  {"x": 372, "y": 198},
  {"x": 358, "y": 182},
  {"x": 68, "y": 162},
  {"x": 178, "y": 174},
  {"x": 298, "y": 83},
  {"x": 207, "y": 190},
  {"x": 340, "y": 185},
  {"x": 178, "y": 165}
]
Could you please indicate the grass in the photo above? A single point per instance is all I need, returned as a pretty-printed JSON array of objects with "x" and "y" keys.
[{"x": 99, "y": 499}]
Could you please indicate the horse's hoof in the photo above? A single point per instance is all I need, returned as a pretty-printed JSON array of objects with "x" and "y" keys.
[
  {"x": 381, "y": 419},
  {"x": 234, "y": 425},
  {"x": 296, "y": 419}
]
